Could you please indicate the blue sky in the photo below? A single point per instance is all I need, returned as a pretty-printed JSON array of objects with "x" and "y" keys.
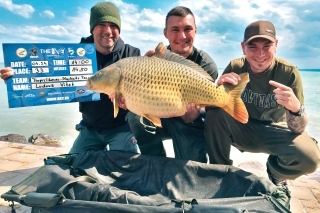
[{"x": 220, "y": 24}]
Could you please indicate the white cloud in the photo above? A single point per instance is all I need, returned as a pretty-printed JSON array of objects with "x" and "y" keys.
[
  {"x": 24, "y": 10},
  {"x": 69, "y": 30},
  {"x": 78, "y": 26},
  {"x": 2, "y": 28},
  {"x": 152, "y": 18},
  {"x": 220, "y": 27},
  {"x": 47, "y": 14},
  {"x": 141, "y": 27}
]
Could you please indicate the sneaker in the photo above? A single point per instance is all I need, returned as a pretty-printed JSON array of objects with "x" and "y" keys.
[{"x": 280, "y": 183}]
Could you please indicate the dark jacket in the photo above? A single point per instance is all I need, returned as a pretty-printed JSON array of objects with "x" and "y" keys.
[
  {"x": 206, "y": 62},
  {"x": 99, "y": 114},
  {"x": 203, "y": 60}
]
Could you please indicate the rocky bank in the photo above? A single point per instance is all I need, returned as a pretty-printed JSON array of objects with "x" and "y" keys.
[{"x": 35, "y": 139}]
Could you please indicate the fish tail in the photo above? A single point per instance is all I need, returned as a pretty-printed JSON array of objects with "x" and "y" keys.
[{"x": 235, "y": 107}]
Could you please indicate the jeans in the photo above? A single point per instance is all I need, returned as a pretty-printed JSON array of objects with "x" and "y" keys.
[{"x": 119, "y": 138}]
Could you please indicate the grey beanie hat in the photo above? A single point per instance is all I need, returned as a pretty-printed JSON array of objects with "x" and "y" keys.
[{"x": 104, "y": 12}]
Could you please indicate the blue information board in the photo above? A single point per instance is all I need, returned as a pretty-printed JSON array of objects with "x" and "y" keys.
[{"x": 46, "y": 73}]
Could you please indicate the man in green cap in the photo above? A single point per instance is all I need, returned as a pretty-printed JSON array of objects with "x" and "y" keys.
[{"x": 98, "y": 128}]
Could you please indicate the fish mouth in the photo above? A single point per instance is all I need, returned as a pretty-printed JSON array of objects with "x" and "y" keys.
[{"x": 88, "y": 84}]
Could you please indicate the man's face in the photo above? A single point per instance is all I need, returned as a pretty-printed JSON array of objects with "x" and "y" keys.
[
  {"x": 105, "y": 35},
  {"x": 260, "y": 53},
  {"x": 180, "y": 32}
]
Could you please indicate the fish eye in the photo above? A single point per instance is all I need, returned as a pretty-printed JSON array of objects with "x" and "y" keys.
[{"x": 99, "y": 73}]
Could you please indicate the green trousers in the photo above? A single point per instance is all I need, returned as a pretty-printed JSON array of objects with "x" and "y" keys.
[{"x": 290, "y": 155}]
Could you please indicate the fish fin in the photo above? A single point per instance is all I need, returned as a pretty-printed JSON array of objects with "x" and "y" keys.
[
  {"x": 162, "y": 52},
  {"x": 115, "y": 105},
  {"x": 155, "y": 120},
  {"x": 235, "y": 107}
]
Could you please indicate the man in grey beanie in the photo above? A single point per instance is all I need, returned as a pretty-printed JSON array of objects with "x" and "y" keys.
[{"x": 98, "y": 128}]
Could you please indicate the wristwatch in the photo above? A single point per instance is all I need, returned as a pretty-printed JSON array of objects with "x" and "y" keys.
[{"x": 299, "y": 113}]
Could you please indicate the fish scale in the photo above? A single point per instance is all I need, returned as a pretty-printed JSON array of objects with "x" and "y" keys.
[
  {"x": 168, "y": 97},
  {"x": 162, "y": 86}
]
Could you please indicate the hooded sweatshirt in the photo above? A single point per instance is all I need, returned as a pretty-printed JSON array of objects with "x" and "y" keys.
[{"x": 99, "y": 114}]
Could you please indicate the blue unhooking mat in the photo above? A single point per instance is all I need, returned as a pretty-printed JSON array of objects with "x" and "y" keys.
[{"x": 114, "y": 181}]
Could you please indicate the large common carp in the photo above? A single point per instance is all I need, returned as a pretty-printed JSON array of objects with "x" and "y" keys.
[{"x": 162, "y": 86}]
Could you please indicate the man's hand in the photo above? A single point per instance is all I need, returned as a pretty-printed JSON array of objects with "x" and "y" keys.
[
  {"x": 231, "y": 78},
  {"x": 149, "y": 53},
  {"x": 121, "y": 101},
  {"x": 192, "y": 113},
  {"x": 6, "y": 73},
  {"x": 286, "y": 97}
]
